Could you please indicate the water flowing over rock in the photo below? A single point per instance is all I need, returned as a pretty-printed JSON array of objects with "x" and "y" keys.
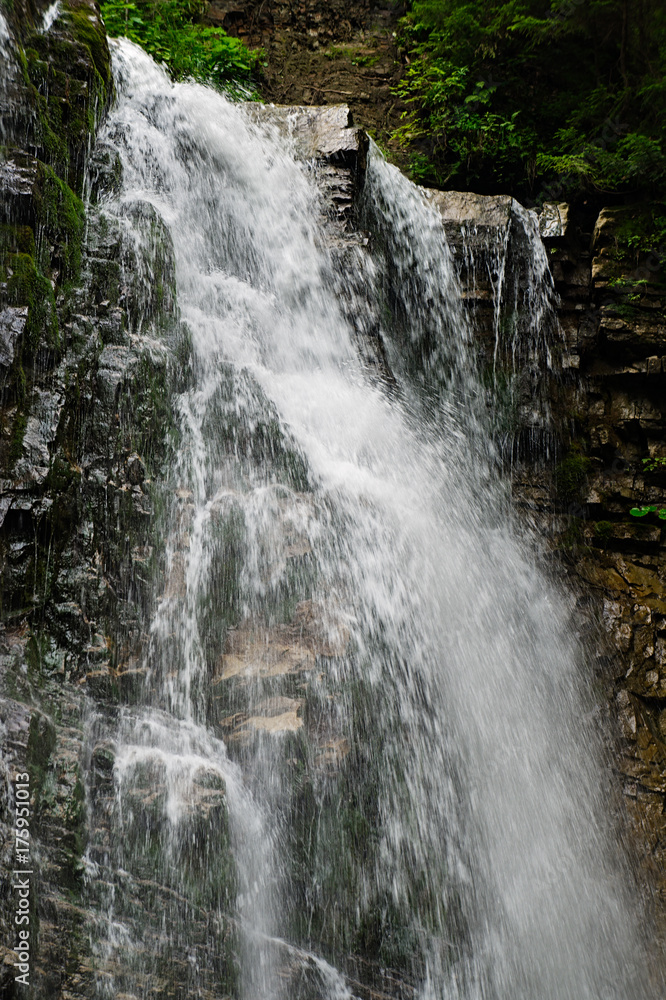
[{"x": 303, "y": 709}]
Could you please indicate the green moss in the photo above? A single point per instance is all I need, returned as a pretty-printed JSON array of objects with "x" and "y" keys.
[
  {"x": 35, "y": 650},
  {"x": 16, "y": 442},
  {"x": 61, "y": 475},
  {"x": 603, "y": 530},
  {"x": 74, "y": 841},
  {"x": 27, "y": 286},
  {"x": 68, "y": 73},
  {"x": 76, "y": 807},
  {"x": 28, "y": 257},
  {"x": 20, "y": 384},
  {"x": 92, "y": 35},
  {"x": 146, "y": 414},
  {"x": 41, "y": 744},
  {"x": 105, "y": 279},
  {"x": 60, "y": 222},
  {"x": 17, "y": 239},
  {"x": 570, "y": 476}
]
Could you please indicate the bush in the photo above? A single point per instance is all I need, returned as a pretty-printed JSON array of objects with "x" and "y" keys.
[
  {"x": 556, "y": 97},
  {"x": 169, "y": 31}
]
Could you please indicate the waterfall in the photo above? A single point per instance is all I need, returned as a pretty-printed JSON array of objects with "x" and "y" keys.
[
  {"x": 363, "y": 750},
  {"x": 512, "y": 304},
  {"x": 8, "y": 77},
  {"x": 51, "y": 15}
]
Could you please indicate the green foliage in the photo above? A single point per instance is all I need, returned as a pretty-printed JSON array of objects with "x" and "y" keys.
[
  {"x": 652, "y": 509},
  {"x": 654, "y": 464},
  {"x": 657, "y": 464},
  {"x": 565, "y": 97},
  {"x": 643, "y": 234},
  {"x": 169, "y": 32}
]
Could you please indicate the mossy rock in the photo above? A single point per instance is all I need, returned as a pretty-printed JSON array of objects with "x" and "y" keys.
[
  {"x": 41, "y": 744},
  {"x": 631, "y": 237},
  {"x": 571, "y": 475},
  {"x": 16, "y": 239},
  {"x": 40, "y": 216},
  {"x": 60, "y": 218},
  {"x": 67, "y": 73},
  {"x": 41, "y": 236},
  {"x": 26, "y": 286}
]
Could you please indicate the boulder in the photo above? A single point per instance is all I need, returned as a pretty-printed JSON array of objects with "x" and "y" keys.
[
  {"x": 319, "y": 133},
  {"x": 474, "y": 212}
]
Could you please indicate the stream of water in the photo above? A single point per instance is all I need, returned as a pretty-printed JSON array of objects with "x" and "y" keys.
[{"x": 364, "y": 741}]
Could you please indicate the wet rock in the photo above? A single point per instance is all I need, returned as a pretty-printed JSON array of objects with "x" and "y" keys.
[
  {"x": 115, "y": 362},
  {"x": 319, "y": 133},
  {"x": 40, "y": 433},
  {"x": 325, "y": 136},
  {"x": 331, "y": 754},
  {"x": 263, "y": 656},
  {"x": 136, "y": 470},
  {"x": 12, "y": 324},
  {"x": 608, "y": 222},
  {"x": 280, "y": 722},
  {"x": 19, "y": 173},
  {"x": 602, "y": 576},
  {"x": 554, "y": 220},
  {"x": 254, "y": 650},
  {"x": 474, "y": 212}
]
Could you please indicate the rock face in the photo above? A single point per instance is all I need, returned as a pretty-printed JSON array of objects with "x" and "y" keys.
[
  {"x": 610, "y": 406},
  {"x": 505, "y": 280},
  {"x": 327, "y": 138},
  {"x": 318, "y": 133},
  {"x": 83, "y": 415},
  {"x": 322, "y": 51},
  {"x": 477, "y": 213}
]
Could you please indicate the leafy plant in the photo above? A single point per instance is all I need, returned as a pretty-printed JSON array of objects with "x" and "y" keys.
[
  {"x": 652, "y": 509},
  {"x": 171, "y": 33},
  {"x": 567, "y": 97},
  {"x": 651, "y": 464},
  {"x": 654, "y": 464}
]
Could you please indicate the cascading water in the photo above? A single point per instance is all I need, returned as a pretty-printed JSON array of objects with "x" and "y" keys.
[
  {"x": 363, "y": 731},
  {"x": 504, "y": 271}
]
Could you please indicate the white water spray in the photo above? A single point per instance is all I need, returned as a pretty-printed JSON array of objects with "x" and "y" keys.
[{"x": 51, "y": 15}]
